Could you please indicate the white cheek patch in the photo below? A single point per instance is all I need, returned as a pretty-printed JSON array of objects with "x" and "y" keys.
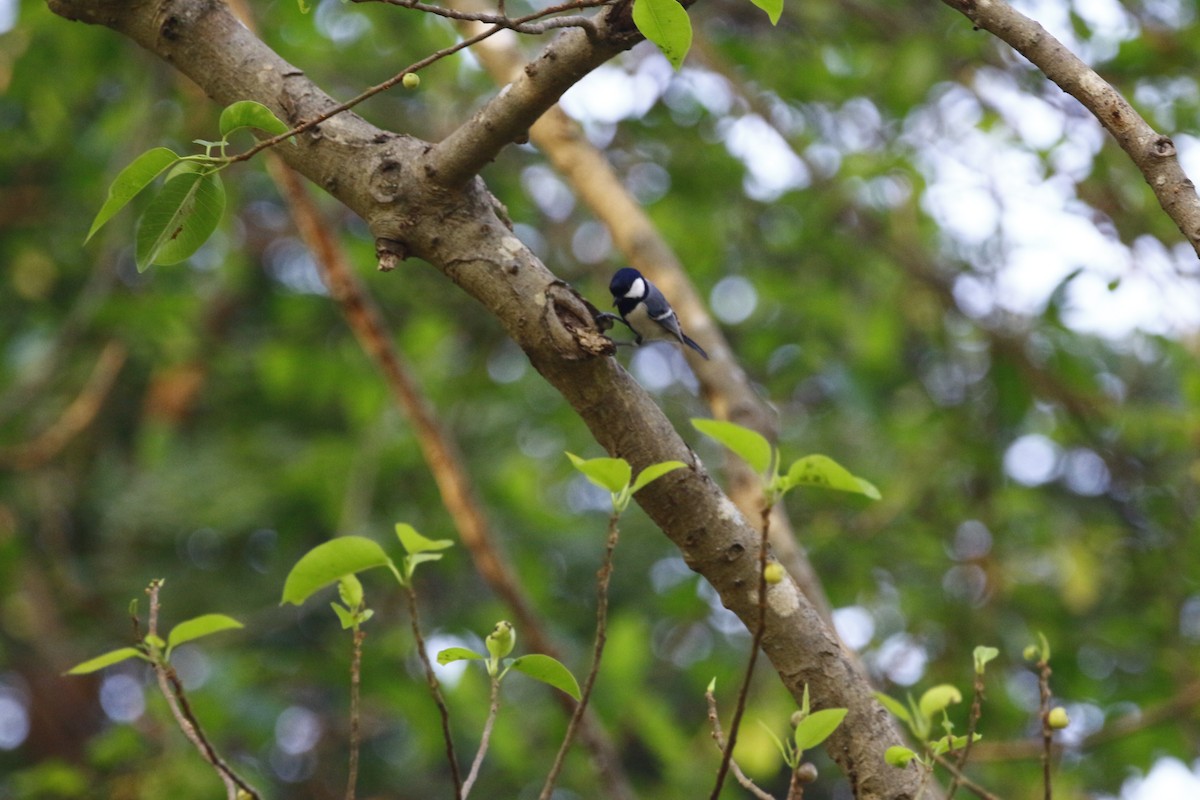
[{"x": 636, "y": 289}]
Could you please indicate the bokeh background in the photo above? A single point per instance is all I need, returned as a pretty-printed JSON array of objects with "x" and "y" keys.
[{"x": 934, "y": 264}]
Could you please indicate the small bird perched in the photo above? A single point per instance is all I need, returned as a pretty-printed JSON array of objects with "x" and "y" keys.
[{"x": 644, "y": 309}]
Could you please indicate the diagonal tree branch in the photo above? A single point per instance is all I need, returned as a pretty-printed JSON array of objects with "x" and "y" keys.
[
  {"x": 1151, "y": 152},
  {"x": 458, "y": 231}
]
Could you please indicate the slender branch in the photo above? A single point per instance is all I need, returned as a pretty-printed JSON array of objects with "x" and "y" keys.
[
  {"x": 435, "y": 689},
  {"x": 972, "y": 722},
  {"x": 760, "y": 627},
  {"x": 714, "y": 720},
  {"x": 504, "y": 21},
  {"x": 963, "y": 780},
  {"x": 355, "y": 719},
  {"x": 181, "y": 710},
  {"x": 1152, "y": 153},
  {"x": 1047, "y": 732},
  {"x": 603, "y": 577},
  {"x": 485, "y": 739}
]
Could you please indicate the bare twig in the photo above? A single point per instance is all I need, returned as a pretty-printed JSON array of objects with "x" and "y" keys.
[
  {"x": 181, "y": 710},
  {"x": 504, "y": 21},
  {"x": 963, "y": 780},
  {"x": 355, "y": 720},
  {"x": 485, "y": 739},
  {"x": 603, "y": 577},
  {"x": 972, "y": 722},
  {"x": 1152, "y": 153},
  {"x": 1044, "y": 672},
  {"x": 435, "y": 690},
  {"x": 718, "y": 736},
  {"x": 760, "y": 628}
]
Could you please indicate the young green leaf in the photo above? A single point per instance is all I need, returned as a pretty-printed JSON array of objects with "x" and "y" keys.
[
  {"x": 817, "y": 726},
  {"x": 196, "y": 627},
  {"x": 823, "y": 471},
  {"x": 328, "y": 562},
  {"x": 548, "y": 670},
  {"x": 938, "y": 698},
  {"x": 897, "y": 708},
  {"x": 774, "y": 9},
  {"x": 452, "y": 654},
  {"x": 180, "y": 219},
  {"x": 350, "y": 590},
  {"x": 611, "y": 474},
  {"x": 414, "y": 543},
  {"x": 666, "y": 23},
  {"x": 751, "y": 446},
  {"x": 249, "y": 114},
  {"x": 654, "y": 472},
  {"x": 348, "y": 618},
  {"x": 106, "y": 660},
  {"x": 983, "y": 654},
  {"x": 898, "y": 756},
  {"x": 130, "y": 182},
  {"x": 783, "y": 749}
]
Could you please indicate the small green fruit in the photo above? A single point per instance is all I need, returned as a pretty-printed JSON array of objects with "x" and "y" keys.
[
  {"x": 1057, "y": 719},
  {"x": 773, "y": 572},
  {"x": 411, "y": 80}
]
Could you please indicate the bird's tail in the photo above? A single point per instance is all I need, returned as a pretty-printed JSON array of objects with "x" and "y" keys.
[{"x": 688, "y": 341}]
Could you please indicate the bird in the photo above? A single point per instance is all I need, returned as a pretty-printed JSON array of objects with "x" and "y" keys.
[{"x": 644, "y": 309}]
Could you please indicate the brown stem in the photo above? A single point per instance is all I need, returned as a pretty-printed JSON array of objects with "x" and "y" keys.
[
  {"x": 355, "y": 719},
  {"x": 972, "y": 722},
  {"x": 1047, "y": 732},
  {"x": 435, "y": 688},
  {"x": 714, "y": 720},
  {"x": 760, "y": 628},
  {"x": 603, "y": 577},
  {"x": 485, "y": 739}
]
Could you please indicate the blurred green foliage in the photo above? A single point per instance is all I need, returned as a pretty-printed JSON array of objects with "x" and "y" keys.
[{"x": 246, "y": 426}]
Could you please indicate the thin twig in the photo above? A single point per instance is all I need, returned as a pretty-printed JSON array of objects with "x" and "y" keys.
[
  {"x": 181, "y": 710},
  {"x": 760, "y": 627},
  {"x": 504, "y": 21},
  {"x": 715, "y": 721},
  {"x": 963, "y": 780},
  {"x": 972, "y": 722},
  {"x": 485, "y": 739},
  {"x": 355, "y": 722},
  {"x": 434, "y": 689},
  {"x": 603, "y": 578},
  {"x": 387, "y": 84},
  {"x": 1047, "y": 732}
]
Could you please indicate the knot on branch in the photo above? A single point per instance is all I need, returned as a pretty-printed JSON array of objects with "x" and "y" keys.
[
  {"x": 570, "y": 323},
  {"x": 1163, "y": 147},
  {"x": 390, "y": 253}
]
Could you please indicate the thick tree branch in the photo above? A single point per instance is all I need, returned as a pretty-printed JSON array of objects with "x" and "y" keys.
[
  {"x": 1151, "y": 152},
  {"x": 457, "y": 230},
  {"x": 508, "y": 116}
]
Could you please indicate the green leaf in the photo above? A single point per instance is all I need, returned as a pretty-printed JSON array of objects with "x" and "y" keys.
[
  {"x": 898, "y": 756},
  {"x": 548, "y": 670},
  {"x": 666, "y": 23},
  {"x": 130, "y": 182},
  {"x": 654, "y": 472},
  {"x": 938, "y": 698},
  {"x": 823, "y": 471},
  {"x": 108, "y": 659},
  {"x": 350, "y": 590},
  {"x": 347, "y": 617},
  {"x": 452, "y": 654},
  {"x": 414, "y": 543},
  {"x": 612, "y": 474},
  {"x": 249, "y": 114},
  {"x": 328, "y": 562},
  {"x": 196, "y": 627},
  {"x": 751, "y": 446},
  {"x": 783, "y": 750},
  {"x": 895, "y": 707},
  {"x": 180, "y": 219},
  {"x": 983, "y": 654},
  {"x": 817, "y": 726},
  {"x": 774, "y": 9}
]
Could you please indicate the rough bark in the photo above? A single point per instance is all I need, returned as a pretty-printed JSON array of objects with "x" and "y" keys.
[{"x": 421, "y": 200}]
